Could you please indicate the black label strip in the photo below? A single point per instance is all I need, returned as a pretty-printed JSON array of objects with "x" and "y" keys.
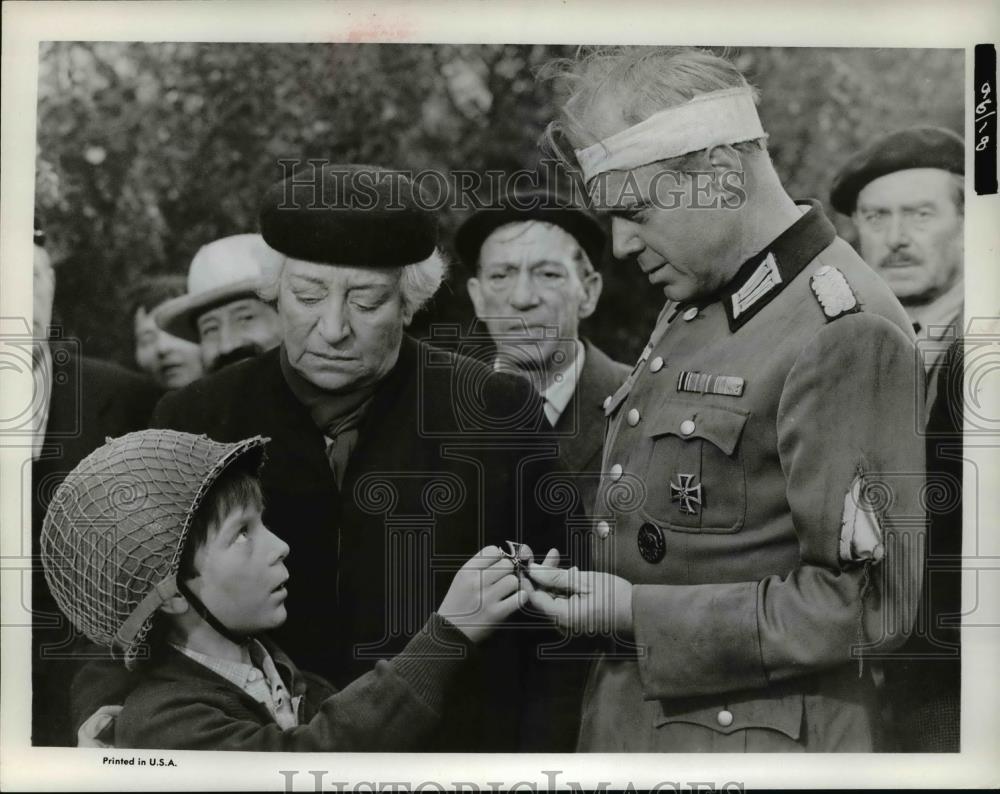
[{"x": 984, "y": 119}]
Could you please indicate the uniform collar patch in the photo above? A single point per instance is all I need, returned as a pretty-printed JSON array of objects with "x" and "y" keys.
[
  {"x": 764, "y": 279},
  {"x": 765, "y": 275}
]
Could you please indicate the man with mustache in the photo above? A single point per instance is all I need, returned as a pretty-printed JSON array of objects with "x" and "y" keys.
[
  {"x": 222, "y": 310},
  {"x": 905, "y": 194}
]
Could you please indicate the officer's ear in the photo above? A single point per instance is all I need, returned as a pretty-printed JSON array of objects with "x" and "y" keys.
[{"x": 724, "y": 160}]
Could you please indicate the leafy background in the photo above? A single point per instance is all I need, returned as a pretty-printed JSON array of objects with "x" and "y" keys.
[{"x": 146, "y": 151}]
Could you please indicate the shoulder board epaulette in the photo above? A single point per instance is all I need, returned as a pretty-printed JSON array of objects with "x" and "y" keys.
[{"x": 833, "y": 293}]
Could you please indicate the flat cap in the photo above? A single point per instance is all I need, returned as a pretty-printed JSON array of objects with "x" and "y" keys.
[
  {"x": 916, "y": 147},
  {"x": 359, "y": 215},
  {"x": 548, "y": 205}
]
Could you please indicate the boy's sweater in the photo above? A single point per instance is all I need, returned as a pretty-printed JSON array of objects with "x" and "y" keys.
[{"x": 180, "y": 704}]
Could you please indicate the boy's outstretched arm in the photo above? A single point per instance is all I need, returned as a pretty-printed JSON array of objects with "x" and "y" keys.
[{"x": 393, "y": 707}]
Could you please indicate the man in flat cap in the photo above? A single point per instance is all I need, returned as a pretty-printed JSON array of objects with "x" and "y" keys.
[
  {"x": 749, "y": 553},
  {"x": 390, "y": 461},
  {"x": 222, "y": 310},
  {"x": 534, "y": 259},
  {"x": 906, "y": 195}
]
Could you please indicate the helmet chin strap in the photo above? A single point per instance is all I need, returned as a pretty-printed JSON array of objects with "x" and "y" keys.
[{"x": 206, "y": 615}]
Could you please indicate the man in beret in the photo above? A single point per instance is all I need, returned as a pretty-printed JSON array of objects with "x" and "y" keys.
[
  {"x": 745, "y": 566},
  {"x": 534, "y": 259},
  {"x": 222, "y": 311},
  {"x": 390, "y": 461},
  {"x": 905, "y": 194}
]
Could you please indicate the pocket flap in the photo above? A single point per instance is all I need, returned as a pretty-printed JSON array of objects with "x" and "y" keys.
[
  {"x": 690, "y": 419},
  {"x": 781, "y": 713}
]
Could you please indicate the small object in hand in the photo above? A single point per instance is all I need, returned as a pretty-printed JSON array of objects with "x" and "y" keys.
[{"x": 514, "y": 555}]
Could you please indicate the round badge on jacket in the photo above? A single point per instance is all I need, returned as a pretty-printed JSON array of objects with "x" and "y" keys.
[{"x": 652, "y": 546}]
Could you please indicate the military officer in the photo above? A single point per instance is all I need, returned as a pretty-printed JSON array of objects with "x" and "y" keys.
[{"x": 759, "y": 505}]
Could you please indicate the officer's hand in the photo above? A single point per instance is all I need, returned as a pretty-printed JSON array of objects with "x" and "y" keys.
[
  {"x": 582, "y": 602},
  {"x": 483, "y": 594},
  {"x": 527, "y": 557},
  {"x": 98, "y": 728}
]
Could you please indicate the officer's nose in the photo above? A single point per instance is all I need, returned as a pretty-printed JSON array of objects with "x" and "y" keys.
[
  {"x": 524, "y": 296},
  {"x": 625, "y": 241}
]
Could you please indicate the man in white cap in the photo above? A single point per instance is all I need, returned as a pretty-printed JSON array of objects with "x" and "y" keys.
[
  {"x": 222, "y": 311},
  {"x": 773, "y": 421}
]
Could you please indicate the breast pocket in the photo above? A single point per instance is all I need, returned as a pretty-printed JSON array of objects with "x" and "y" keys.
[{"x": 695, "y": 478}]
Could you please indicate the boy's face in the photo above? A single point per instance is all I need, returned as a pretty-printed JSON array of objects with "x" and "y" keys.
[{"x": 241, "y": 573}]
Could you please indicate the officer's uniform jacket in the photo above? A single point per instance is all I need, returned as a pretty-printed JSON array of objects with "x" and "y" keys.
[
  {"x": 580, "y": 427},
  {"x": 760, "y": 489}
]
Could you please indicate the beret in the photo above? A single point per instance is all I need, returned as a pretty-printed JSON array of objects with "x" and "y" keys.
[
  {"x": 359, "y": 215},
  {"x": 916, "y": 147},
  {"x": 540, "y": 204}
]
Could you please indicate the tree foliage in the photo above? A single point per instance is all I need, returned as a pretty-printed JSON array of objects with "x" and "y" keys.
[{"x": 147, "y": 151}]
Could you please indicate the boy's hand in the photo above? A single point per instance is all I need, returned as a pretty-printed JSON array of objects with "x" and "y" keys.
[
  {"x": 94, "y": 732},
  {"x": 582, "y": 602},
  {"x": 483, "y": 594}
]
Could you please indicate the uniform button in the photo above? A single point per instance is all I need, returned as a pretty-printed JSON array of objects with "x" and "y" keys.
[
  {"x": 687, "y": 427},
  {"x": 603, "y": 529},
  {"x": 255, "y": 675},
  {"x": 724, "y": 718},
  {"x": 616, "y": 472},
  {"x": 691, "y": 313},
  {"x": 607, "y": 402},
  {"x": 632, "y": 417},
  {"x": 823, "y": 270},
  {"x": 656, "y": 364}
]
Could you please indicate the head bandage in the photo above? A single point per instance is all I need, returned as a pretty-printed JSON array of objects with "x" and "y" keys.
[{"x": 713, "y": 119}]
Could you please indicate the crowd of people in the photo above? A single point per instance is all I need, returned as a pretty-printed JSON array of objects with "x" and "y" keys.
[{"x": 518, "y": 543}]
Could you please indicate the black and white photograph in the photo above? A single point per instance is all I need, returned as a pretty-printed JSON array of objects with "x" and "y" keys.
[{"x": 575, "y": 406}]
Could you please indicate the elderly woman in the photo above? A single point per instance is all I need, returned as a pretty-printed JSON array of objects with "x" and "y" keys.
[{"x": 390, "y": 461}]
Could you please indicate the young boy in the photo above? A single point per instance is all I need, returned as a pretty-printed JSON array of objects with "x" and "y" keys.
[{"x": 154, "y": 546}]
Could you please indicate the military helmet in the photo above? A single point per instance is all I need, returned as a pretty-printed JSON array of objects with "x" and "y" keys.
[{"x": 113, "y": 535}]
